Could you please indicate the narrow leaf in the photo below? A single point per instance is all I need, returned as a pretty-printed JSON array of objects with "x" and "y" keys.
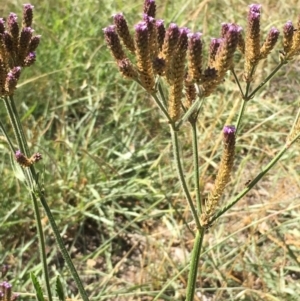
[
  {"x": 60, "y": 290},
  {"x": 37, "y": 287}
]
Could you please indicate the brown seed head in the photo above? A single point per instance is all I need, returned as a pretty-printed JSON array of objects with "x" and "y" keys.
[
  {"x": 169, "y": 45},
  {"x": 269, "y": 43},
  {"x": 144, "y": 63},
  {"x": 213, "y": 49},
  {"x": 152, "y": 35},
  {"x": 252, "y": 41},
  {"x": 161, "y": 31},
  {"x": 123, "y": 31},
  {"x": 241, "y": 43},
  {"x": 194, "y": 57},
  {"x": 113, "y": 42},
  {"x": 177, "y": 75},
  {"x": 127, "y": 69},
  {"x": 295, "y": 49},
  {"x": 288, "y": 33},
  {"x": 223, "y": 175},
  {"x": 24, "y": 41}
]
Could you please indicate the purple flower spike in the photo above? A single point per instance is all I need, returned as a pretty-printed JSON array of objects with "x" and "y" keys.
[
  {"x": 194, "y": 56},
  {"x": 25, "y": 36},
  {"x": 27, "y": 15},
  {"x": 150, "y": 8},
  {"x": 123, "y": 31},
  {"x": 213, "y": 47},
  {"x": 12, "y": 80},
  {"x": 183, "y": 39},
  {"x": 12, "y": 25},
  {"x": 288, "y": 33},
  {"x": 34, "y": 43},
  {"x": 171, "y": 39},
  {"x": 113, "y": 42},
  {"x": 161, "y": 31}
]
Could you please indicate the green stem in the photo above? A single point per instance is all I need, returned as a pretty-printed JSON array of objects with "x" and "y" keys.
[
  {"x": 240, "y": 117},
  {"x": 254, "y": 181},
  {"x": 196, "y": 166},
  {"x": 7, "y": 137},
  {"x": 181, "y": 175},
  {"x": 191, "y": 286},
  {"x": 21, "y": 134},
  {"x": 42, "y": 247},
  {"x": 238, "y": 82},
  {"x": 266, "y": 80},
  {"x": 22, "y": 143},
  {"x": 192, "y": 109},
  {"x": 162, "y": 107},
  {"x": 62, "y": 247}
]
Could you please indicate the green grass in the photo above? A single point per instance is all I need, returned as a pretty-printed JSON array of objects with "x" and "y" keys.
[{"x": 108, "y": 170}]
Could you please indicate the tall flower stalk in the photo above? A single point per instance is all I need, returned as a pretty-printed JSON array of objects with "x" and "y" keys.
[
  {"x": 17, "y": 51},
  {"x": 168, "y": 62}
]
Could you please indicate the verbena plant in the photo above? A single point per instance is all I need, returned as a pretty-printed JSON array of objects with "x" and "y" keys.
[{"x": 169, "y": 63}]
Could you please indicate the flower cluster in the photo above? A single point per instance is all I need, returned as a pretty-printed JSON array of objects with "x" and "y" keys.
[
  {"x": 26, "y": 162},
  {"x": 173, "y": 53},
  {"x": 17, "y": 49}
]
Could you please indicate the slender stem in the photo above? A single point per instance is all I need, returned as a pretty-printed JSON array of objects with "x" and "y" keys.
[
  {"x": 238, "y": 82},
  {"x": 62, "y": 247},
  {"x": 240, "y": 117},
  {"x": 42, "y": 247},
  {"x": 161, "y": 93},
  {"x": 296, "y": 120},
  {"x": 22, "y": 137},
  {"x": 266, "y": 80},
  {"x": 193, "y": 108},
  {"x": 162, "y": 107},
  {"x": 196, "y": 166},
  {"x": 254, "y": 181},
  {"x": 181, "y": 175},
  {"x": 7, "y": 137},
  {"x": 191, "y": 286}
]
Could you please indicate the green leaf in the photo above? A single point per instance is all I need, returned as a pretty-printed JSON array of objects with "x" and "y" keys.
[
  {"x": 37, "y": 287},
  {"x": 60, "y": 290}
]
